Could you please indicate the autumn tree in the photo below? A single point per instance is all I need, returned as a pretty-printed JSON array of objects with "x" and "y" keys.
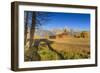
[
  {"x": 36, "y": 19},
  {"x": 26, "y": 26},
  {"x": 32, "y": 28}
]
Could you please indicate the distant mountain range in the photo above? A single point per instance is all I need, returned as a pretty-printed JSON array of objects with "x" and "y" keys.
[{"x": 44, "y": 33}]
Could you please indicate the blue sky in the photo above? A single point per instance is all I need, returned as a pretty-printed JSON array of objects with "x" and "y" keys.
[{"x": 70, "y": 20}]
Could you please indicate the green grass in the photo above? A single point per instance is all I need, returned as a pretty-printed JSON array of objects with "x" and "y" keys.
[
  {"x": 75, "y": 55},
  {"x": 46, "y": 54}
]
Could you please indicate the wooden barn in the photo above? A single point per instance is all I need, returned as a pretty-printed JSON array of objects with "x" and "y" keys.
[
  {"x": 59, "y": 35},
  {"x": 62, "y": 35}
]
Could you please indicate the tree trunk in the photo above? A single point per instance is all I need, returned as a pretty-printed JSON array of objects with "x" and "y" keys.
[
  {"x": 32, "y": 29},
  {"x": 26, "y": 28}
]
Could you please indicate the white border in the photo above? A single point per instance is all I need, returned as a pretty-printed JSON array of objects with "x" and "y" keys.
[{"x": 23, "y": 64}]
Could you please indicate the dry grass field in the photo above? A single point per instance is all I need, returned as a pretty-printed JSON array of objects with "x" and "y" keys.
[
  {"x": 73, "y": 48},
  {"x": 70, "y": 48}
]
